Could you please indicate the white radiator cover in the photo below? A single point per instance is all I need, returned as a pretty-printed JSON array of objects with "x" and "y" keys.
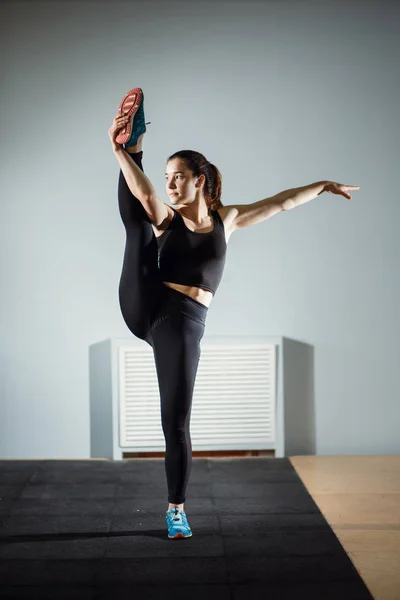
[
  {"x": 251, "y": 393},
  {"x": 234, "y": 399}
]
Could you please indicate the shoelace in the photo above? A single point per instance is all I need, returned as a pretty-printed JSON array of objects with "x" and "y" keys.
[{"x": 175, "y": 512}]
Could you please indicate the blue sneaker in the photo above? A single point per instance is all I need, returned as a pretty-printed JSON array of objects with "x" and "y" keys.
[
  {"x": 132, "y": 105},
  {"x": 178, "y": 527}
]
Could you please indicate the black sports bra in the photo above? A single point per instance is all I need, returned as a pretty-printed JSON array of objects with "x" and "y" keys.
[{"x": 192, "y": 258}]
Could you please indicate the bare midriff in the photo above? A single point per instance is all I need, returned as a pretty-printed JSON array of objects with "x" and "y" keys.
[{"x": 202, "y": 296}]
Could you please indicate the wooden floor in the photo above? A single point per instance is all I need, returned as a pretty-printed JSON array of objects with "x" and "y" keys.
[{"x": 360, "y": 498}]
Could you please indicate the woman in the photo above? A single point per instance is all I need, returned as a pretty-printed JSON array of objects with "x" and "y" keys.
[{"x": 173, "y": 264}]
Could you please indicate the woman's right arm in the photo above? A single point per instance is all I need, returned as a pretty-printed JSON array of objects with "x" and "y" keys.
[{"x": 138, "y": 183}]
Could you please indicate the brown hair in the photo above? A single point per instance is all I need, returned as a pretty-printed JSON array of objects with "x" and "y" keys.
[{"x": 199, "y": 165}]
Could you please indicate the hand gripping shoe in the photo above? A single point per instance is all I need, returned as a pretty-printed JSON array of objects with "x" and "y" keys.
[
  {"x": 132, "y": 105},
  {"x": 178, "y": 527}
]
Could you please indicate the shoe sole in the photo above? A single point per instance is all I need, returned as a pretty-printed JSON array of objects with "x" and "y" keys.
[
  {"x": 179, "y": 536},
  {"x": 128, "y": 107}
]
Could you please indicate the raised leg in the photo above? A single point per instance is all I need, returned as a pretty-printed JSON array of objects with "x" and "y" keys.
[{"x": 140, "y": 280}]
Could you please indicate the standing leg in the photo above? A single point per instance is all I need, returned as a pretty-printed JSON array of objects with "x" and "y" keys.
[{"x": 176, "y": 346}]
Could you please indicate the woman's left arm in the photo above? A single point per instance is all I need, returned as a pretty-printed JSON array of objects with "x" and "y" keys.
[{"x": 244, "y": 215}]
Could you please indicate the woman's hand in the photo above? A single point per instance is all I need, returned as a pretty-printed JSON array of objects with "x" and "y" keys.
[
  {"x": 339, "y": 188},
  {"x": 118, "y": 123}
]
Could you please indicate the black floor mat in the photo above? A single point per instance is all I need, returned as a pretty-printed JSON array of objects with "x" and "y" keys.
[{"x": 93, "y": 530}]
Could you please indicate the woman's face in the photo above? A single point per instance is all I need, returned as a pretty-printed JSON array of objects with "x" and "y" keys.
[{"x": 181, "y": 186}]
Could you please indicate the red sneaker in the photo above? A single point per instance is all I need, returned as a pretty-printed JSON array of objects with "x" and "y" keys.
[{"x": 128, "y": 107}]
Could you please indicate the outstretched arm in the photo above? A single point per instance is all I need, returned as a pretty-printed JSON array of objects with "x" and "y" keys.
[{"x": 244, "y": 215}]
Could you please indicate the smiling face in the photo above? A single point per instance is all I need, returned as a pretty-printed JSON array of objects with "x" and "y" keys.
[{"x": 181, "y": 185}]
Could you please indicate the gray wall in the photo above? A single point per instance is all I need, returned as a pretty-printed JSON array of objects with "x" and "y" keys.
[{"x": 277, "y": 95}]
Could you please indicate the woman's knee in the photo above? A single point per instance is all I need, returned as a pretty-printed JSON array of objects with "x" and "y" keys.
[{"x": 175, "y": 426}]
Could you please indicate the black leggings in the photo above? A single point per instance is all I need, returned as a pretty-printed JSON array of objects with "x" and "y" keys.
[{"x": 172, "y": 323}]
